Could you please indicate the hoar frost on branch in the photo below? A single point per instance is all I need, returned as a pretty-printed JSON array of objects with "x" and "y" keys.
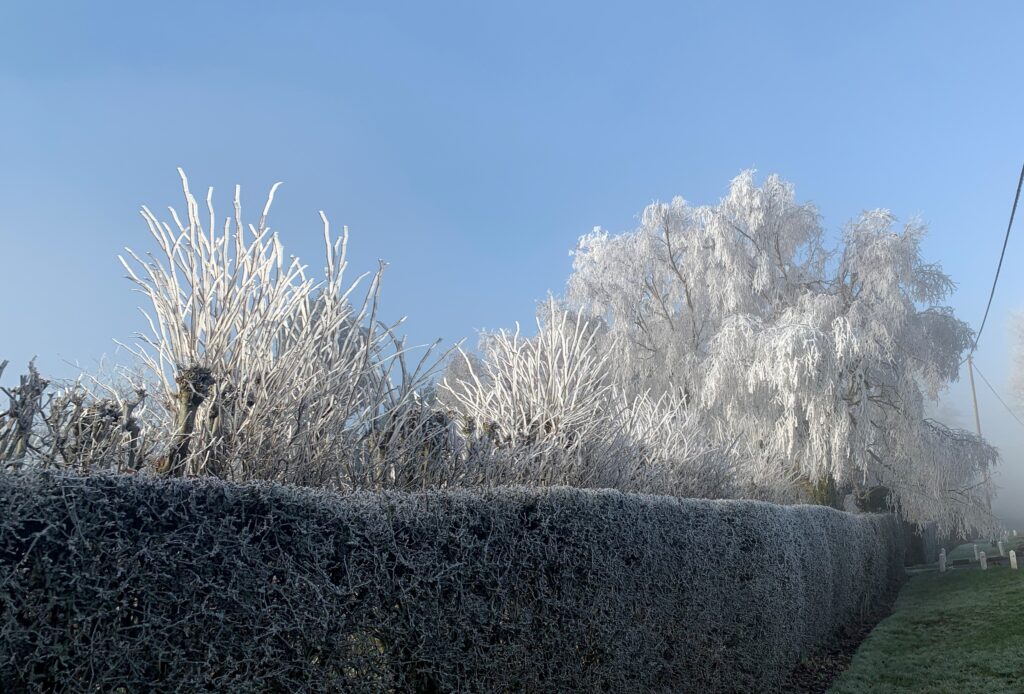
[
  {"x": 816, "y": 362},
  {"x": 263, "y": 372},
  {"x": 547, "y": 410},
  {"x": 85, "y": 424}
]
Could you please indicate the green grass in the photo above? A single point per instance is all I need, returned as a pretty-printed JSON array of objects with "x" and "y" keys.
[{"x": 962, "y": 631}]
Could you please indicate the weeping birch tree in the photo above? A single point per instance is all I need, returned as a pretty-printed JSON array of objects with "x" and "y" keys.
[{"x": 817, "y": 361}]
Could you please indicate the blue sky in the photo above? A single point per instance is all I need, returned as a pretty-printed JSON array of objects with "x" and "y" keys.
[{"x": 470, "y": 144}]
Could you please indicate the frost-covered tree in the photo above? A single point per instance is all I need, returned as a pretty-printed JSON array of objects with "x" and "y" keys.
[
  {"x": 817, "y": 361},
  {"x": 86, "y": 424},
  {"x": 262, "y": 371},
  {"x": 546, "y": 410}
]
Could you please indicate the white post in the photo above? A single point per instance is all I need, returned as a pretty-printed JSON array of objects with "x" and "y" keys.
[
  {"x": 1013, "y": 559},
  {"x": 942, "y": 560},
  {"x": 975, "y": 552},
  {"x": 984, "y": 564},
  {"x": 1001, "y": 549}
]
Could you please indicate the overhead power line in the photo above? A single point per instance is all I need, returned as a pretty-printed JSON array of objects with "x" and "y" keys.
[
  {"x": 1001, "y": 401},
  {"x": 1002, "y": 254}
]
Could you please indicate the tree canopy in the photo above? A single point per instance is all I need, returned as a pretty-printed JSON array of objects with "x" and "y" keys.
[{"x": 813, "y": 362}]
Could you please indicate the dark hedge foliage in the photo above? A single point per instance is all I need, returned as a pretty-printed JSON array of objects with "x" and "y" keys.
[
  {"x": 921, "y": 542},
  {"x": 133, "y": 583}
]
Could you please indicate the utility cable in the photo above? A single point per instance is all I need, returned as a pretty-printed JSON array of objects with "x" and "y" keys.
[
  {"x": 999, "y": 267},
  {"x": 1012, "y": 413}
]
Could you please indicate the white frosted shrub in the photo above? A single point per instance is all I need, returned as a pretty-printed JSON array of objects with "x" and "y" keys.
[
  {"x": 544, "y": 410},
  {"x": 262, "y": 371},
  {"x": 87, "y": 424}
]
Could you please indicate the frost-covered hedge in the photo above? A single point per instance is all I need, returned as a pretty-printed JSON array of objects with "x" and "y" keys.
[{"x": 129, "y": 583}]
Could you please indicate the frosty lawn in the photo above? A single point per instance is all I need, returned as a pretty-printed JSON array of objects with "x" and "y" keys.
[{"x": 961, "y": 631}]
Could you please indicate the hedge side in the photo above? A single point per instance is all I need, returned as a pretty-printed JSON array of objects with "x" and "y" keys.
[
  {"x": 130, "y": 583},
  {"x": 922, "y": 543}
]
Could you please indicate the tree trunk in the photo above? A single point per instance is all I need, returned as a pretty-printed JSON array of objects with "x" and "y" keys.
[
  {"x": 825, "y": 492},
  {"x": 193, "y": 386}
]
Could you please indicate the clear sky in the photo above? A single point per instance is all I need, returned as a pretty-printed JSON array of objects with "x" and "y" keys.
[{"x": 470, "y": 144}]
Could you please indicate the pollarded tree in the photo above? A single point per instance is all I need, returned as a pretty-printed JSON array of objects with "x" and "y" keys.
[
  {"x": 260, "y": 370},
  {"x": 817, "y": 361}
]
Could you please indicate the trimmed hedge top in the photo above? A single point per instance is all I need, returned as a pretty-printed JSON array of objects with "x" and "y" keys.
[{"x": 137, "y": 583}]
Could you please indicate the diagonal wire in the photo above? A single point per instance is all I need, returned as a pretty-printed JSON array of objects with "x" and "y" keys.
[
  {"x": 999, "y": 267},
  {"x": 1012, "y": 413}
]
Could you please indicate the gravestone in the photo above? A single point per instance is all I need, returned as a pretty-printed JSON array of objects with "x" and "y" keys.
[
  {"x": 1001, "y": 553},
  {"x": 975, "y": 552},
  {"x": 1013, "y": 559},
  {"x": 984, "y": 564},
  {"x": 942, "y": 561}
]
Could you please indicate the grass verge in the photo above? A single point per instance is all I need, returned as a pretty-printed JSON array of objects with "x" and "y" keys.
[{"x": 962, "y": 631}]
